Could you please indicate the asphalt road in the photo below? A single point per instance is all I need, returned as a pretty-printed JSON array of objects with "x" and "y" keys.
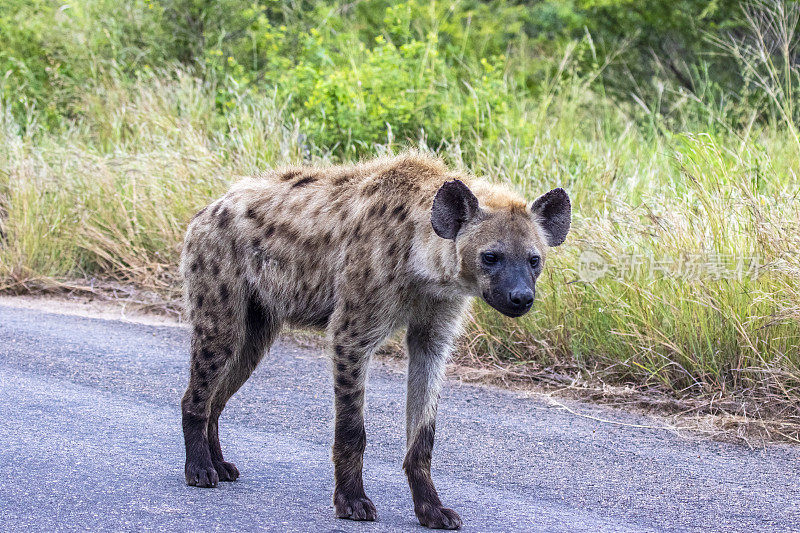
[{"x": 90, "y": 440}]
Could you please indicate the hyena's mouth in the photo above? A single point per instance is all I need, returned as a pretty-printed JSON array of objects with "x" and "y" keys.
[
  {"x": 514, "y": 314},
  {"x": 507, "y": 310}
]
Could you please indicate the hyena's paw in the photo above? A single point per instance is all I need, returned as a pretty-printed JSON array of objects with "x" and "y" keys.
[
  {"x": 226, "y": 471},
  {"x": 355, "y": 507},
  {"x": 438, "y": 517},
  {"x": 199, "y": 475}
]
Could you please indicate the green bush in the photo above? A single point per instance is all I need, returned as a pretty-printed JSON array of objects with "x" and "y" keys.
[{"x": 422, "y": 66}]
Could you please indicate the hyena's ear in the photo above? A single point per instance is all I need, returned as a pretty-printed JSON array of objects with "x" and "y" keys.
[
  {"x": 453, "y": 206},
  {"x": 553, "y": 212}
]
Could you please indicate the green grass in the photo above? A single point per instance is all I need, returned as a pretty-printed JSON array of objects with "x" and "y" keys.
[{"x": 109, "y": 191}]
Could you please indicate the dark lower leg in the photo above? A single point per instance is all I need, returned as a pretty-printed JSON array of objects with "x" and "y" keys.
[
  {"x": 348, "y": 451},
  {"x": 226, "y": 471},
  {"x": 213, "y": 438},
  {"x": 199, "y": 469},
  {"x": 207, "y": 372},
  {"x": 349, "y": 498},
  {"x": 418, "y": 469},
  {"x": 427, "y": 505}
]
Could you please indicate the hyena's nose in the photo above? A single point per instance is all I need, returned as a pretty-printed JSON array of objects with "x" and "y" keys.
[{"x": 521, "y": 298}]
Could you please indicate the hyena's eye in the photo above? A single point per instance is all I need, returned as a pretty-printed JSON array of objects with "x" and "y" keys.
[
  {"x": 490, "y": 258},
  {"x": 535, "y": 260}
]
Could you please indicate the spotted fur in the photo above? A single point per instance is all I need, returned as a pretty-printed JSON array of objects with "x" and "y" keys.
[{"x": 355, "y": 250}]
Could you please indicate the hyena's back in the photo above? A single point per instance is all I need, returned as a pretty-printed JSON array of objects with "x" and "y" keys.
[{"x": 288, "y": 234}]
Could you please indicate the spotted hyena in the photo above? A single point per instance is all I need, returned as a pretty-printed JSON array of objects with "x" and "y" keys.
[{"x": 359, "y": 251}]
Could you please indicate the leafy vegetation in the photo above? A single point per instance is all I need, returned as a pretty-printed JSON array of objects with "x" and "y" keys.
[{"x": 674, "y": 126}]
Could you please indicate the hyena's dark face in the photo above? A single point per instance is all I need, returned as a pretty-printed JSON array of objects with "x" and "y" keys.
[
  {"x": 502, "y": 251},
  {"x": 504, "y": 255}
]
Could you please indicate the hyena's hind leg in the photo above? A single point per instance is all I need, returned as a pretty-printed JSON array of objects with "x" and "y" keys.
[
  {"x": 224, "y": 344},
  {"x": 260, "y": 329},
  {"x": 215, "y": 336}
]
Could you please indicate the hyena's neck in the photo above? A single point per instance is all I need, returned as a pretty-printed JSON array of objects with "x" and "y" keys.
[{"x": 436, "y": 262}]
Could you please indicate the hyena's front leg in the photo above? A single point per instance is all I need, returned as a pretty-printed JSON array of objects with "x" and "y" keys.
[
  {"x": 353, "y": 338},
  {"x": 429, "y": 344}
]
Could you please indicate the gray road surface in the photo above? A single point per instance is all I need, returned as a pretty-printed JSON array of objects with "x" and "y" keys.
[{"x": 91, "y": 440}]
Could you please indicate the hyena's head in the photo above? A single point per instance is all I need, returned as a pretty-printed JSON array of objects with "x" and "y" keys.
[{"x": 502, "y": 247}]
